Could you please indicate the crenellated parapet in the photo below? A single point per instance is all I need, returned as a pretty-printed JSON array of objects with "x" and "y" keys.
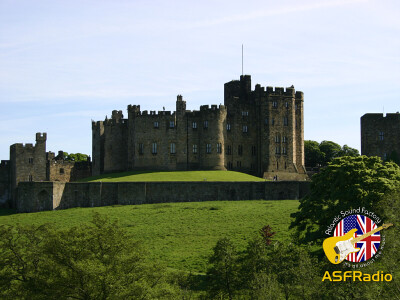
[{"x": 254, "y": 131}]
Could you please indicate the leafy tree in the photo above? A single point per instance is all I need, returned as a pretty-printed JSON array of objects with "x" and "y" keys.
[
  {"x": 348, "y": 151},
  {"x": 76, "y": 157},
  {"x": 346, "y": 183},
  {"x": 93, "y": 261},
  {"x": 317, "y": 155},
  {"x": 223, "y": 275},
  {"x": 331, "y": 150},
  {"x": 312, "y": 154}
]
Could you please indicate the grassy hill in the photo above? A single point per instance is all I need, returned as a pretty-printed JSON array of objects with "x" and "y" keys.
[
  {"x": 180, "y": 235},
  {"x": 174, "y": 176}
]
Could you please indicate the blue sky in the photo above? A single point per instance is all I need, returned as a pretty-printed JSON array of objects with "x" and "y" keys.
[{"x": 64, "y": 63}]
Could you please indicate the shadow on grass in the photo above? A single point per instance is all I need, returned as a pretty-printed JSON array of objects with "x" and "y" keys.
[
  {"x": 116, "y": 175},
  {"x": 7, "y": 211}
]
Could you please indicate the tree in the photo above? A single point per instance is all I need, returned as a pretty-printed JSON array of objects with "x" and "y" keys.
[
  {"x": 348, "y": 151},
  {"x": 331, "y": 150},
  {"x": 346, "y": 183},
  {"x": 313, "y": 155},
  {"x": 317, "y": 155},
  {"x": 93, "y": 261},
  {"x": 223, "y": 275},
  {"x": 76, "y": 157}
]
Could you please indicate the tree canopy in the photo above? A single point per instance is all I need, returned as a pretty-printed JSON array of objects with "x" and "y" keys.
[
  {"x": 93, "y": 261},
  {"x": 75, "y": 157},
  {"x": 320, "y": 154},
  {"x": 346, "y": 183}
]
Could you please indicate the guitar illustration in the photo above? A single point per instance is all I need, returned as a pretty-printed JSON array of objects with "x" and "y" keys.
[{"x": 338, "y": 247}]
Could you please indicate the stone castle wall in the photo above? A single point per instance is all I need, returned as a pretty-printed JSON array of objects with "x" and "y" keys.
[
  {"x": 40, "y": 196},
  {"x": 4, "y": 182},
  {"x": 259, "y": 132},
  {"x": 380, "y": 135}
]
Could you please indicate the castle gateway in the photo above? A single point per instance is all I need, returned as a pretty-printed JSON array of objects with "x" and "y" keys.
[{"x": 260, "y": 132}]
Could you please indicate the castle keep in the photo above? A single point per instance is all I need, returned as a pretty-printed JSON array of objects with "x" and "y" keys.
[
  {"x": 380, "y": 136},
  {"x": 260, "y": 132}
]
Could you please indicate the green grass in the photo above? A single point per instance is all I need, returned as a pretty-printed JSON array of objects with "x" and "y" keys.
[
  {"x": 174, "y": 176},
  {"x": 180, "y": 235}
]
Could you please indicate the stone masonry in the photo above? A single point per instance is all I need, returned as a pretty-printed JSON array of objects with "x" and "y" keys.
[
  {"x": 380, "y": 135},
  {"x": 260, "y": 132}
]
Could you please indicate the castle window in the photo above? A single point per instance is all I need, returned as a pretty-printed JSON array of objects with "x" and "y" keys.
[
  {"x": 208, "y": 148},
  {"x": 173, "y": 151},
  {"x": 284, "y": 150},
  {"x": 194, "y": 125},
  {"x": 277, "y": 139},
  {"x": 219, "y": 148},
  {"x": 228, "y": 127},
  {"x": 156, "y": 125},
  {"x": 61, "y": 171},
  {"x": 266, "y": 121},
  {"x": 228, "y": 150},
  {"x": 194, "y": 149},
  {"x": 384, "y": 156},
  {"x": 205, "y": 124},
  {"x": 245, "y": 113},
  {"x": 284, "y": 140},
  {"x": 240, "y": 149},
  {"x": 272, "y": 121},
  {"x": 140, "y": 149},
  {"x": 154, "y": 148},
  {"x": 230, "y": 165},
  {"x": 30, "y": 178},
  {"x": 30, "y": 160},
  {"x": 287, "y": 104},
  {"x": 253, "y": 150},
  {"x": 285, "y": 121},
  {"x": 274, "y": 104},
  {"x": 381, "y": 135},
  {"x": 245, "y": 128},
  {"x": 171, "y": 124},
  {"x": 277, "y": 150},
  {"x": 296, "y": 106},
  {"x": 238, "y": 164}
]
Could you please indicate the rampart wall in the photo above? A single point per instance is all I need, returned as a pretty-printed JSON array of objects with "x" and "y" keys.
[{"x": 39, "y": 196}]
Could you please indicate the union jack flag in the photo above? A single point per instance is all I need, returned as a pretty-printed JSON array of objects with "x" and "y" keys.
[{"x": 368, "y": 246}]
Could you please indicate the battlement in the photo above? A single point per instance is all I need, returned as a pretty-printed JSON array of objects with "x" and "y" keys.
[
  {"x": 280, "y": 91},
  {"x": 21, "y": 146},
  {"x": 4, "y": 163},
  {"x": 117, "y": 115},
  {"x": 377, "y": 116},
  {"x": 41, "y": 136},
  {"x": 111, "y": 122},
  {"x": 134, "y": 109},
  {"x": 213, "y": 107}
]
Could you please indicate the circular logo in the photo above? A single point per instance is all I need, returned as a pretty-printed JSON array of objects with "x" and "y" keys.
[{"x": 364, "y": 244}]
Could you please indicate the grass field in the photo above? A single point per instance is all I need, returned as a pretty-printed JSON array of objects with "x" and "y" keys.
[
  {"x": 180, "y": 235},
  {"x": 174, "y": 176}
]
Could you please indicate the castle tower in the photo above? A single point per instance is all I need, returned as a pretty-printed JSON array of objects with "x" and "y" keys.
[
  {"x": 380, "y": 136},
  {"x": 28, "y": 162}
]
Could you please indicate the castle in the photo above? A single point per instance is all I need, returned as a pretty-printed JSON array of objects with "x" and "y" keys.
[
  {"x": 260, "y": 132},
  {"x": 380, "y": 136},
  {"x": 32, "y": 163}
]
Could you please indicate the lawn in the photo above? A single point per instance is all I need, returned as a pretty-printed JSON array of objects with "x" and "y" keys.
[
  {"x": 180, "y": 235},
  {"x": 174, "y": 176}
]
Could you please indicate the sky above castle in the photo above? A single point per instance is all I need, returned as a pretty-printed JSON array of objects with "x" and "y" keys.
[{"x": 65, "y": 63}]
